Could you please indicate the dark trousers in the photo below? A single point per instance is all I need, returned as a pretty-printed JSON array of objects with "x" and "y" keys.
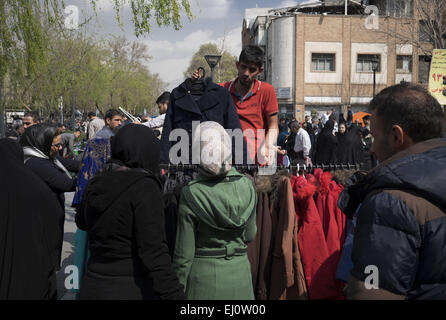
[{"x": 298, "y": 158}]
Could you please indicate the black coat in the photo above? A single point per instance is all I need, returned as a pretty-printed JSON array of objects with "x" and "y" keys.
[
  {"x": 54, "y": 177},
  {"x": 349, "y": 148},
  {"x": 401, "y": 225},
  {"x": 215, "y": 104},
  {"x": 122, "y": 211},
  {"x": 30, "y": 237},
  {"x": 326, "y": 145}
]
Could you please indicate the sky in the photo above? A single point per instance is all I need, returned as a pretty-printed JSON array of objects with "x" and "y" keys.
[{"x": 171, "y": 50}]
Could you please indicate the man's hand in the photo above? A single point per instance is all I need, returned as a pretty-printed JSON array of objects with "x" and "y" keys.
[
  {"x": 280, "y": 151},
  {"x": 197, "y": 74},
  {"x": 266, "y": 155}
]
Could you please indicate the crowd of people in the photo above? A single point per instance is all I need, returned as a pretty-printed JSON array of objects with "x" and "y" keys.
[
  {"x": 326, "y": 141},
  {"x": 398, "y": 209}
]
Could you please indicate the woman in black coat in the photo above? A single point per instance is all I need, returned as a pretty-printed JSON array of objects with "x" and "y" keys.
[
  {"x": 348, "y": 150},
  {"x": 326, "y": 145},
  {"x": 41, "y": 145},
  {"x": 122, "y": 211},
  {"x": 29, "y": 234}
]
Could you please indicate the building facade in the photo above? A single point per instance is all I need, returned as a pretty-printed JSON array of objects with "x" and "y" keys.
[{"x": 318, "y": 58}]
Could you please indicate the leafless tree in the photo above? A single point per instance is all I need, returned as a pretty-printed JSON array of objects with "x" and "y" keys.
[{"x": 420, "y": 23}]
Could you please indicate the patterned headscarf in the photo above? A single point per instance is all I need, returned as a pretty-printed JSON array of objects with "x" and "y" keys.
[{"x": 215, "y": 148}]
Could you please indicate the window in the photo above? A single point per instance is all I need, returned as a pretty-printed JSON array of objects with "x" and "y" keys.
[
  {"x": 394, "y": 8},
  {"x": 423, "y": 69},
  {"x": 286, "y": 111},
  {"x": 365, "y": 62},
  {"x": 400, "y": 8},
  {"x": 424, "y": 32},
  {"x": 404, "y": 64},
  {"x": 323, "y": 62}
]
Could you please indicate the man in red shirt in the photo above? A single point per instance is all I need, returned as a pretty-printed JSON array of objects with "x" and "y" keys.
[
  {"x": 256, "y": 103},
  {"x": 257, "y": 106}
]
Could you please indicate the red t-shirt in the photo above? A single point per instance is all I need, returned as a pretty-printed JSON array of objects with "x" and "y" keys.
[{"x": 254, "y": 110}]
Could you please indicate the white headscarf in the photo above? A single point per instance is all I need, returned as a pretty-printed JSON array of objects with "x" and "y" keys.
[
  {"x": 215, "y": 148},
  {"x": 34, "y": 152}
]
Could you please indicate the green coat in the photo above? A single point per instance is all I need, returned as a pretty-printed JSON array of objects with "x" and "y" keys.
[{"x": 216, "y": 215}]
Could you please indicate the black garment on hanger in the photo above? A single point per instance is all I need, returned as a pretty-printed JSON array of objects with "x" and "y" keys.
[{"x": 187, "y": 105}]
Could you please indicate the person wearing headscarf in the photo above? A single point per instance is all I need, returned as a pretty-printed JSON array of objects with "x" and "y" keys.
[
  {"x": 348, "y": 149},
  {"x": 41, "y": 145},
  {"x": 29, "y": 233},
  {"x": 122, "y": 212},
  {"x": 283, "y": 134},
  {"x": 326, "y": 145},
  {"x": 216, "y": 221}
]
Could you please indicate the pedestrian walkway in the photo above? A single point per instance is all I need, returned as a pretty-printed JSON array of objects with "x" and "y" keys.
[{"x": 67, "y": 249}]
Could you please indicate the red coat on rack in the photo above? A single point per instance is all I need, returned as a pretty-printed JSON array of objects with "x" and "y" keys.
[
  {"x": 316, "y": 261},
  {"x": 333, "y": 220}
]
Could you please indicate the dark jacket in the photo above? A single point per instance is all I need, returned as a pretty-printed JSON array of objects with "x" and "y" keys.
[
  {"x": 122, "y": 211},
  {"x": 401, "y": 225},
  {"x": 215, "y": 104},
  {"x": 54, "y": 177},
  {"x": 326, "y": 145},
  {"x": 349, "y": 116},
  {"x": 349, "y": 148}
]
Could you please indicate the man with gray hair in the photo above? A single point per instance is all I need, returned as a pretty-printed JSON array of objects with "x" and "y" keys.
[{"x": 302, "y": 144}]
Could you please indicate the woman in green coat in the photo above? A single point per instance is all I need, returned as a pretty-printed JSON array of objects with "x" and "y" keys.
[{"x": 216, "y": 220}]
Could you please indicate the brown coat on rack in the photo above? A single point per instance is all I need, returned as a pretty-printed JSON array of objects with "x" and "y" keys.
[{"x": 287, "y": 274}]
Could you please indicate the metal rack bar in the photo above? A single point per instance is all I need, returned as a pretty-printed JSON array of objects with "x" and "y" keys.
[{"x": 298, "y": 167}]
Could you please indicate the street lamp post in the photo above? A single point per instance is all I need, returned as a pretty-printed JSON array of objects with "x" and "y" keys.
[
  {"x": 375, "y": 66},
  {"x": 212, "y": 60}
]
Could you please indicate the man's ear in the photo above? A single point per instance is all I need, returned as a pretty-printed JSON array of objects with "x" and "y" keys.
[
  {"x": 237, "y": 64},
  {"x": 397, "y": 136},
  {"x": 261, "y": 69}
]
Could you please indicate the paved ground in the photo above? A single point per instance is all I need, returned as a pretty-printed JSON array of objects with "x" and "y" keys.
[{"x": 68, "y": 248}]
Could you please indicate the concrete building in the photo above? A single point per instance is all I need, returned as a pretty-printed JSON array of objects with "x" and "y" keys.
[{"x": 319, "y": 54}]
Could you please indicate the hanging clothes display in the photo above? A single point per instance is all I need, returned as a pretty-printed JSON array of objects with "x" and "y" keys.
[
  {"x": 211, "y": 102},
  {"x": 312, "y": 243},
  {"x": 300, "y": 232},
  {"x": 333, "y": 220}
]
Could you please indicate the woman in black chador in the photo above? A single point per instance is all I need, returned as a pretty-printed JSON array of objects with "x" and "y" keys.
[
  {"x": 326, "y": 145},
  {"x": 122, "y": 211},
  {"x": 29, "y": 231},
  {"x": 349, "y": 146}
]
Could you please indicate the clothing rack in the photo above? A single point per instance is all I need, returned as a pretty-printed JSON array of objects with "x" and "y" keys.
[{"x": 181, "y": 167}]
